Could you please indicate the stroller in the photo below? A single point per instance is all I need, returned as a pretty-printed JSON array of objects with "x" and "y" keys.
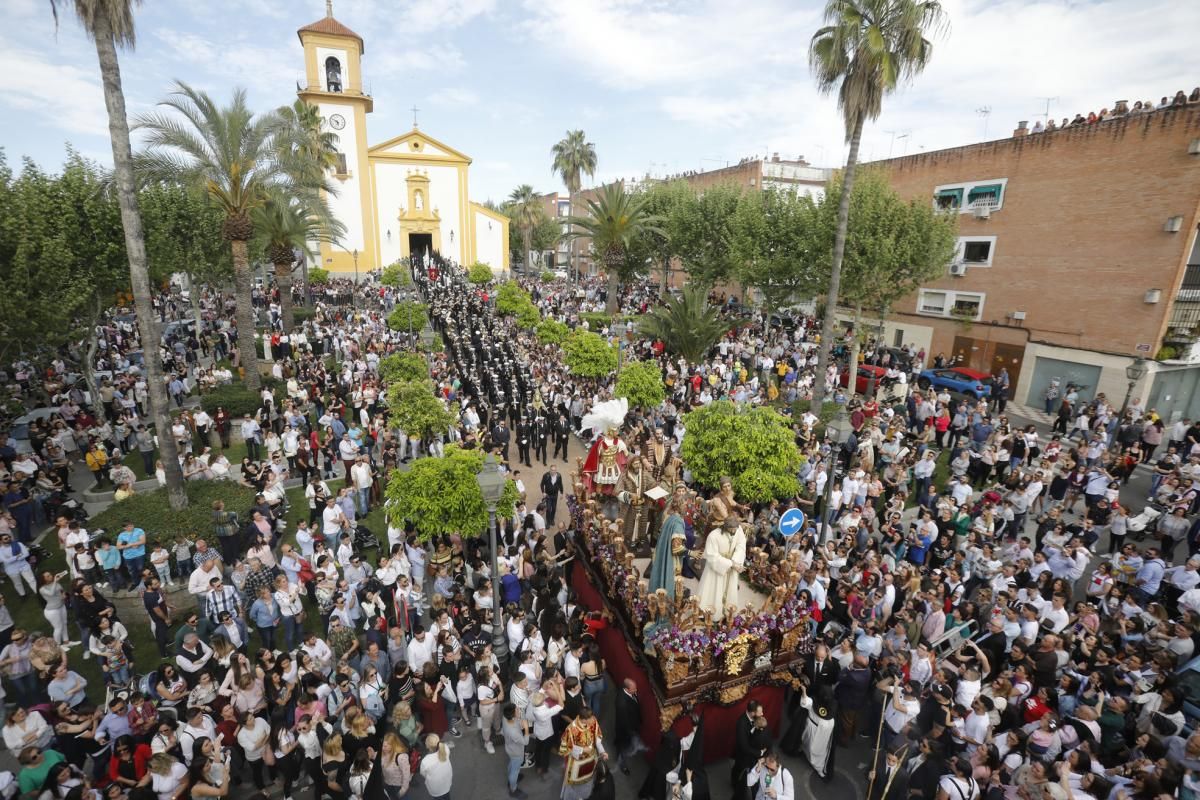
[
  {"x": 1146, "y": 522},
  {"x": 364, "y": 539}
]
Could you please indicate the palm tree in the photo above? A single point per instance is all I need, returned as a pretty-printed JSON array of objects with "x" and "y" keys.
[
  {"x": 687, "y": 325},
  {"x": 524, "y": 209},
  {"x": 574, "y": 157},
  {"x": 109, "y": 23},
  {"x": 614, "y": 222},
  {"x": 286, "y": 225},
  {"x": 238, "y": 159},
  {"x": 309, "y": 150},
  {"x": 865, "y": 50}
]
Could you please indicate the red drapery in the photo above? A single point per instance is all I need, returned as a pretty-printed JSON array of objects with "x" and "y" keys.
[{"x": 719, "y": 721}]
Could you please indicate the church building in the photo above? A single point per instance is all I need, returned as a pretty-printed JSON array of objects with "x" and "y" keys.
[{"x": 404, "y": 196}]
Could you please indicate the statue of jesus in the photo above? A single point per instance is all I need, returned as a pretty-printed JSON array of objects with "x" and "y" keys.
[{"x": 724, "y": 556}]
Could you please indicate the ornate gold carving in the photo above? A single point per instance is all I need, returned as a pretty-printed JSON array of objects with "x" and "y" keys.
[
  {"x": 668, "y": 716},
  {"x": 736, "y": 653},
  {"x": 732, "y": 694}
]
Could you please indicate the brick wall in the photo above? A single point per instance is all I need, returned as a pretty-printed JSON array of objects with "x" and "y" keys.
[{"x": 1080, "y": 236}]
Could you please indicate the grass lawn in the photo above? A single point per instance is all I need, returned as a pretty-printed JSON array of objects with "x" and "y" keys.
[{"x": 27, "y": 613}]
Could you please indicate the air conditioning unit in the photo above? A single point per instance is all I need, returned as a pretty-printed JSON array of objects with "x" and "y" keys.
[
  {"x": 983, "y": 211},
  {"x": 958, "y": 269},
  {"x": 1018, "y": 315}
]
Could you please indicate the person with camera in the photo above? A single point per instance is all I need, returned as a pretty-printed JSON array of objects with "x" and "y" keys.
[{"x": 770, "y": 779}]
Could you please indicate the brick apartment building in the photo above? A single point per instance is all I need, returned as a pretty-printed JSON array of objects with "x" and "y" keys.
[{"x": 1077, "y": 254}]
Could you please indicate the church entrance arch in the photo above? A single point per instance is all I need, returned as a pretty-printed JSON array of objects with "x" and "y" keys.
[{"x": 420, "y": 244}]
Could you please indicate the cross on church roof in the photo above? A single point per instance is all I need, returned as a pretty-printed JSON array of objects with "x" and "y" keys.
[
  {"x": 415, "y": 110},
  {"x": 329, "y": 8}
]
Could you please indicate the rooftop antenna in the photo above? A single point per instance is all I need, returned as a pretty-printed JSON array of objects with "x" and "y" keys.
[
  {"x": 902, "y": 134},
  {"x": 986, "y": 113},
  {"x": 1045, "y": 115}
]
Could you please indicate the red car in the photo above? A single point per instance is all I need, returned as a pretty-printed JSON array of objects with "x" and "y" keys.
[{"x": 865, "y": 373}]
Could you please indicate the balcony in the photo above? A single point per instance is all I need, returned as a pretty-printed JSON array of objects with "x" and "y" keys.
[{"x": 1184, "y": 323}]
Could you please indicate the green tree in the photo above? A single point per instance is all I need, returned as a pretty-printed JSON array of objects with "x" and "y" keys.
[
  {"x": 441, "y": 495},
  {"x": 589, "y": 355},
  {"x": 480, "y": 274},
  {"x": 408, "y": 316},
  {"x": 528, "y": 316},
  {"x": 525, "y": 210},
  {"x": 665, "y": 201},
  {"x": 309, "y": 147},
  {"x": 616, "y": 220},
  {"x": 396, "y": 275},
  {"x": 701, "y": 229},
  {"x": 866, "y": 48},
  {"x": 414, "y": 408},
  {"x": 641, "y": 382},
  {"x": 687, "y": 325},
  {"x": 574, "y": 157},
  {"x": 286, "y": 226},
  {"x": 892, "y": 246},
  {"x": 318, "y": 276},
  {"x": 511, "y": 298},
  {"x": 752, "y": 445},
  {"x": 551, "y": 331},
  {"x": 778, "y": 246},
  {"x": 239, "y": 160},
  {"x": 109, "y": 24},
  {"x": 400, "y": 367}
]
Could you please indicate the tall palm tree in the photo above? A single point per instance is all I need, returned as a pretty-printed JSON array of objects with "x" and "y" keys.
[
  {"x": 286, "y": 225},
  {"x": 525, "y": 208},
  {"x": 309, "y": 148},
  {"x": 574, "y": 157},
  {"x": 687, "y": 325},
  {"x": 238, "y": 159},
  {"x": 615, "y": 220},
  {"x": 866, "y": 48},
  {"x": 109, "y": 23}
]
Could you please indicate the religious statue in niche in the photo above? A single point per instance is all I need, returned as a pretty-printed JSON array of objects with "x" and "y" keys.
[{"x": 419, "y": 201}]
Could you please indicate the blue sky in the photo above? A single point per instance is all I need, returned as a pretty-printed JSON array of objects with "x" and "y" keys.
[{"x": 659, "y": 86}]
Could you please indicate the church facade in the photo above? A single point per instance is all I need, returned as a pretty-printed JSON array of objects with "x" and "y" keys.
[{"x": 404, "y": 196}]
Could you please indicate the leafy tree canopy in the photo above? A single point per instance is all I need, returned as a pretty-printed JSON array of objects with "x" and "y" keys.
[
  {"x": 408, "y": 315},
  {"x": 396, "y": 275},
  {"x": 414, "y": 408},
  {"x": 752, "y": 445},
  {"x": 641, "y": 382},
  {"x": 511, "y": 298},
  {"x": 480, "y": 274},
  {"x": 441, "y": 495},
  {"x": 403, "y": 367},
  {"x": 589, "y": 355},
  {"x": 687, "y": 324},
  {"x": 551, "y": 331}
]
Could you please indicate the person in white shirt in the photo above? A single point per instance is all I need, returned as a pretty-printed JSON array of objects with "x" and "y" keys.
[
  {"x": 902, "y": 709},
  {"x": 332, "y": 520},
  {"x": 319, "y": 652},
  {"x": 420, "y": 649},
  {"x": 772, "y": 780},
  {"x": 435, "y": 768}
]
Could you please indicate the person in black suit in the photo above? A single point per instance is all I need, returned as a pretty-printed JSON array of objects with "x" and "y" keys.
[
  {"x": 501, "y": 438},
  {"x": 524, "y": 431},
  {"x": 746, "y": 748},
  {"x": 541, "y": 433},
  {"x": 562, "y": 435},
  {"x": 890, "y": 777},
  {"x": 925, "y": 770},
  {"x": 552, "y": 486},
  {"x": 628, "y": 740},
  {"x": 822, "y": 669}
]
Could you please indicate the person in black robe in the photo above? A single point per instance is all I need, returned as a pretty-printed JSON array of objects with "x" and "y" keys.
[
  {"x": 665, "y": 760},
  {"x": 693, "y": 762},
  {"x": 603, "y": 786},
  {"x": 819, "y": 715}
]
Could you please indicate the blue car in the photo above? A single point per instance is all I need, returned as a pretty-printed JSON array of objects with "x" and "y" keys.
[{"x": 957, "y": 379}]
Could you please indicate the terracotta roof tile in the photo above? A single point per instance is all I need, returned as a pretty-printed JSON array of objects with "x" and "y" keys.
[{"x": 331, "y": 26}]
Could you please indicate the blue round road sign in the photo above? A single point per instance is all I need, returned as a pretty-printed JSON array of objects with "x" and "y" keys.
[{"x": 791, "y": 522}]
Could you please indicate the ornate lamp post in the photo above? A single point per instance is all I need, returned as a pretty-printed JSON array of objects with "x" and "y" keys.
[
  {"x": 837, "y": 433},
  {"x": 1134, "y": 372},
  {"x": 491, "y": 483}
]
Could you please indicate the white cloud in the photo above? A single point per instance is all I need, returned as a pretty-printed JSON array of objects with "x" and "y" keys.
[
  {"x": 63, "y": 95},
  {"x": 438, "y": 58},
  {"x": 266, "y": 70},
  {"x": 454, "y": 97}
]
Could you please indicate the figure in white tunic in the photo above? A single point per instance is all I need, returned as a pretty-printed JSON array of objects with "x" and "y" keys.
[{"x": 724, "y": 555}]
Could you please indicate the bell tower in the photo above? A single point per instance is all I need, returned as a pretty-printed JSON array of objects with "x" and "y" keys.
[{"x": 333, "y": 84}]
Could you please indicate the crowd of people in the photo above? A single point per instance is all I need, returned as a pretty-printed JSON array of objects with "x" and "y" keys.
[{"x": 974, "y": 587}]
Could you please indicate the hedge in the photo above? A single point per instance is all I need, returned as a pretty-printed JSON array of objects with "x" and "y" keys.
[
  {"x": 151, "y": 512},
  {"x": 303, "y": 314},
  {"x": 235, "y": 398}
]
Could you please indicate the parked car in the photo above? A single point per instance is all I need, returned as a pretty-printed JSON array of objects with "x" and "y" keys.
[
  {"x": 560, "y": 273},
  {"x": 865, "y": 373},
  {"x": 965, "y": 381},
  {"x": 19, "y": 435}
]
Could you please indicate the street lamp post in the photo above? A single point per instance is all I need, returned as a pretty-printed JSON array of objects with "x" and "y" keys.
[
  {"x": 837, "y": 433},
  {"x": 354, "y": 291},
  {"x": 491, "y": 483},
  {"x": 1134, "y": 372}
]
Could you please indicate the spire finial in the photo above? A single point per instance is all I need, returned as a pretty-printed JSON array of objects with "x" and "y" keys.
[{"x": 329, "y": 8}]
